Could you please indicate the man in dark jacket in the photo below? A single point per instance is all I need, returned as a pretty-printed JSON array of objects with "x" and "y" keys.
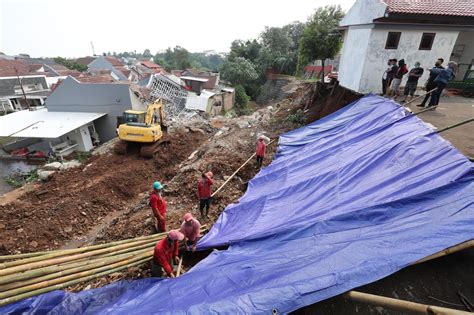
[{"x": 430, "y": 84}]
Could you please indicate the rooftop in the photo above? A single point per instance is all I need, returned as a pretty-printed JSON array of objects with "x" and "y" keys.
[
  {"x": 43, "y": 124},
  {"x": 194, "y": 79},
  {"x": 431, "y": 7}
]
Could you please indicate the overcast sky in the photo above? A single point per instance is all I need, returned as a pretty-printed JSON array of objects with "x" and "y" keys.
[{"x": 66, "y": 28}]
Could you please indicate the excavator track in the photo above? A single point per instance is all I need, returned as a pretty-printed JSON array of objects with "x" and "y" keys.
[
  {"x": 149, "y": 150},
  {"x": 120, "y": 147}
]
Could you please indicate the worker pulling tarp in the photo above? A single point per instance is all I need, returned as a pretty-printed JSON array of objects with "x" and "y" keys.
[{"x": 349, "y": 199}]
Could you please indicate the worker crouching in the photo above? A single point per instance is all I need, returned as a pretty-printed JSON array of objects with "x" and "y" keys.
[
  {"x": 165, "y": 254},
  {"x": 158, "y": 206},
  {"x": 191, "y": 229},
  {"x": 204, "y": 193}
]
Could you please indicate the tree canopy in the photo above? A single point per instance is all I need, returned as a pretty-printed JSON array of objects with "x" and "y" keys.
[
  {"x": 320, "y": 39},
  {"x": 70, "y": 64}
]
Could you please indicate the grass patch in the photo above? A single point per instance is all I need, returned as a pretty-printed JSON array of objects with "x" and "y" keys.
[{"x": 18, "y": 179}]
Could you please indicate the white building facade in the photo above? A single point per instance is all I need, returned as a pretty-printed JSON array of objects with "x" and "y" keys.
[{"x": 376, "y": 31}]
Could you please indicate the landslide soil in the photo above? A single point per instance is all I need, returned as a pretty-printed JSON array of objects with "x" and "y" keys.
[{"x": 76, "y": 200}]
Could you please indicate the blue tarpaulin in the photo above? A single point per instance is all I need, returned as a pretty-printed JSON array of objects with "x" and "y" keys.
[{"x": 348, "y": 200}]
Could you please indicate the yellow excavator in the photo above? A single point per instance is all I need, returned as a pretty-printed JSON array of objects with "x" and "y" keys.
[{"x": 145, "y": 128}]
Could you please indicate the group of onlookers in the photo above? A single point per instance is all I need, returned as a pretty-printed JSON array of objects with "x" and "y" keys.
[{"x": 436, "y": 83}]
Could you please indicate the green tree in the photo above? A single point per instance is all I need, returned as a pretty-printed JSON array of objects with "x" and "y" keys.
[
  {"x": 147, "y": 53},
  {"x": 241, "y": 101},
  {"x": 249, "y": 50},
  {"x": 320, "y": 39},
  {"x": 240, "y": 71},
  {"x": 70, "y": 64}
]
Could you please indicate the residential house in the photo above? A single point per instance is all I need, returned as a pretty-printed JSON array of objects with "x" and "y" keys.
[
  {"x": 60, "y": 133},
  {"x": 109, "y": 98},
  {"x": 212, "y": 79},
  {"x": 144, "y": 69},
  {"x": 378, "y": 30},
  {"x": 19, "y": 88},
  {"x": 117, "y": 69}
]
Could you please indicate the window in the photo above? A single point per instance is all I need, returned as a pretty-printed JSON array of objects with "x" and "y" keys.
[
  {"x": 426, "y": 41},
  {"x": 392, "y": 40}
]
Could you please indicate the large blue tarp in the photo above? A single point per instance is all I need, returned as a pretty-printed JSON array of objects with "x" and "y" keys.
[{"x": 349, "y": 199}]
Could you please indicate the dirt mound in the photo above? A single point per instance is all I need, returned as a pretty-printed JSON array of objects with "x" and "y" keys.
[{"x": 73, "y": 201}]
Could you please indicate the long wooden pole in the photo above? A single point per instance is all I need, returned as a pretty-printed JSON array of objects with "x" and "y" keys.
[
  {"x": 456, "y": 125},
  {"x": 42, "y": 274},
  {"x": 80, "y": 249},
  {"x": 414, "y": 99},
  {"x": 447, "y": 251},
  {"x": 58, "y": 260},
  {"x": 401, "y": 305},
  {"x": 68, "y": 283},
  {"x": 69, "y": 277},
  {"x": 180, "y": 265},
  {"x": 235, "y": 173}
]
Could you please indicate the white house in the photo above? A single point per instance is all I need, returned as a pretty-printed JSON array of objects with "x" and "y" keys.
[{"x": 414, "y": 30}]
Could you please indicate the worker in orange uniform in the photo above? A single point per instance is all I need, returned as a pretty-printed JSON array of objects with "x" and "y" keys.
[
  {"x": 158, "y": 206},
  {"x": 260, "y": 149},
  {"x": 204, "y": 193},
  {"x": 191, "y": 229},
  {"x": 165, "y": 253}
]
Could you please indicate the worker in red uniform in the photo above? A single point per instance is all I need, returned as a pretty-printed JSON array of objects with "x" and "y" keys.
[
  {"x": 158, "y": 206},
  {"x": 204, "y": 193},
  {"x": 191, "y": 229},
  {"x": 165, "y": 253},
  {"x": 260, "y": 150}
]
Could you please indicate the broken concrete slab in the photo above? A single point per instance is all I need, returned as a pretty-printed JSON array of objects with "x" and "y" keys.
[
  {"x": 54, "y": 166},
  {"x": 45, "y": 175}
]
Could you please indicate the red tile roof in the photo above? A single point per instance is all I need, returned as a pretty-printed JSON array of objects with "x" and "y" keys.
[
  {"x": 114, "y": 61},
  {"x": 100, "y": 78},
  {"x": 85, "y": 61},
  {"x": 7, "y": 68},
  {"x": 35, "y": 67},
  {"x": 431, "y": 7},
  {"x": 150, "y": 64}
]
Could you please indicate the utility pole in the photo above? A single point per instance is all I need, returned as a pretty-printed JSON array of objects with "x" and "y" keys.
[
  {"x": 93, "y": 50},
  {"x": 22, "y": 89}
]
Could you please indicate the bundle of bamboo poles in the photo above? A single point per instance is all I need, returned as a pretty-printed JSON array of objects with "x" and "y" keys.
[{"x": 26, "y": 275}]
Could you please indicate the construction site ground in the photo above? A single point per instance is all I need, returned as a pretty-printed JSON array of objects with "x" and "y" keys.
[{"x": 105, "y": 199}]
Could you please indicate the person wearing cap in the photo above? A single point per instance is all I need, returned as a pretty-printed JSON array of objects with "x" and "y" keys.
[
  {"x": 191, "y": 229},
  {"x": 260, "y": 150},
  {"x": 165, "y": 253},
  {"x": 158, "y": 206},
  {"x": 204, "y": 193}
]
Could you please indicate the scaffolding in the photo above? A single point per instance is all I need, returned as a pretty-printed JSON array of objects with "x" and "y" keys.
[{"x": 173, "y": 95}]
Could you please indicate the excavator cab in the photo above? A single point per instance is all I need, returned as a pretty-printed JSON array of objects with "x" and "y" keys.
[{"x": 134, "y": 117}]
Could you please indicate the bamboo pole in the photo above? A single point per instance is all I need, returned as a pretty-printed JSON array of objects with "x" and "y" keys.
[
  {"x": 68, "y": 283},
  {"x": 425, "y": 110},
  {"x": 422, "y": 95},
  {"x": 47, "y": 273},
  {"x": 180, "y": 265},
  {"x": 447, "y": 251},
  {"x": 80, "y": 249},
  {"x": 69, "y": 277},
  {"x": 58, "y": 260},
  {"x": 401, "y": 305},
  {"x": 456, "y": 125},
  {"x": 232, "y": 176},
  {"x": 83, "y": 263}
]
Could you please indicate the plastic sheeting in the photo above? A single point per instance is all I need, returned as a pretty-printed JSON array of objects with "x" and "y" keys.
[{"x": 350, "y": 199}]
